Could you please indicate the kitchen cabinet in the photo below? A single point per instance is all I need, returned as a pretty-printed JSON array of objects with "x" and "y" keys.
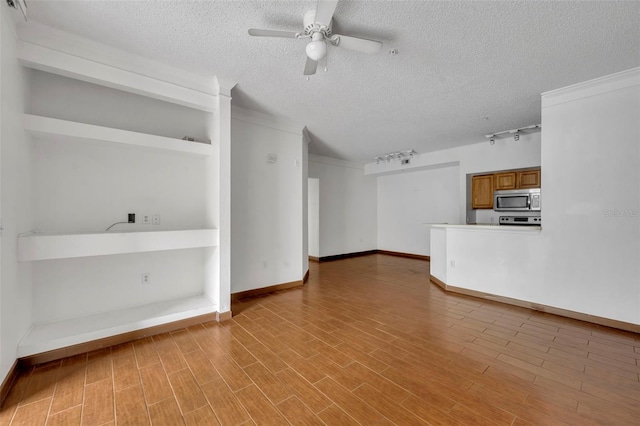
[
  {"x": 482, "y": 192},
  {"x": 529, "y": 179},
  {"x": 506, "y": 180}
]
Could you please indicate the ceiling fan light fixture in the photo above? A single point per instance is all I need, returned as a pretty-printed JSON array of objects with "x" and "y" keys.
[
  {"x": 318, "y": 25},
  {"x": 317, "y": 48}
]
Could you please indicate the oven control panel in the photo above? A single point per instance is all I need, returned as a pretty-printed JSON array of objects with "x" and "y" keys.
[{"x": 520, "y": 220}]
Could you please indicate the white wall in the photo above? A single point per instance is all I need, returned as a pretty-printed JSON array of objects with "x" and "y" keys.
[
  {"x": 348, "y": 208},
  {"x": 409, "y": 201},
  {"x": 15, "y": 171},
  {"x": 266, "y": 201},
  {"x": 314, "y": 216},
  {"x": 82, "y": 186},
  {"x": 73, "y": 288},
  {"x": 434, "y": 184},
  {"x": 591, "y": 176}
]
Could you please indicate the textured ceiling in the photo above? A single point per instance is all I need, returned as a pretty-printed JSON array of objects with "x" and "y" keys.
[{"x": 458, "y": 61}]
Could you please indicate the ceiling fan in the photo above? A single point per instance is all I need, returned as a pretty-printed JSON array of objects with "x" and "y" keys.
[{"x": 317, "y": 28}]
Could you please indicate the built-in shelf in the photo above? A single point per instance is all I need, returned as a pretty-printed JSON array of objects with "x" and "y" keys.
[
  {"x": 98, "y": 71},
  {"x": 63, "y": 246},
  {"x": 61, "y": 130},
  {"x": 55, "y": 335}
]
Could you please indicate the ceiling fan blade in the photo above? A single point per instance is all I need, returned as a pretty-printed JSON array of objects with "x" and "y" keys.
[
  {"x": 324, "y": 11},
  {"x": 273, "y": 33},
  {"x": 360, "y": 44},
  {"x": 310, "y": 67}
]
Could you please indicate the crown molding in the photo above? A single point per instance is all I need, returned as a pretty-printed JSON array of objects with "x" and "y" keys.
[
  {"x": 223, "y": 86},
  {"x": 61, "y": 41},
  {"x": 315, "y": 158},
  {"x": 596, "y": 86},
  {"x": 266, "y": 120},
  {"x": 67, "y": 65}
]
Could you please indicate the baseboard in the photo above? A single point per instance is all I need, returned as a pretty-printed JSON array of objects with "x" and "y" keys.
[
  {"x": 8, "y": 381},
  {"x": 346, "y": 255},
  {"x": 223, "y": 316},
  {"x": 264, "y": 290},
  {"x": 367, "y": 253},
  {"x": 607, "y": 322},
  {"x": 407, "y": 255},
  {"x": 306, "y": 277},
  {"x": 119, "y": 338},
  {"x": 441, "y": 284}
]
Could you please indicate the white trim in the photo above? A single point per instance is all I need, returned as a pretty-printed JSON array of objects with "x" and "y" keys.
[
  {"x": 266, "y": 120},
  {"x": 53, "y": 61},
  {"x": 306, "y": 136},
  {"x": 314, "y": 158},
  {"x": 597, "y": 86},
  {"x": 64, "y": 42},
  {"x": 384, "y": 169},
  {"x": 491, "y": 228},
  {"x": 223, "y": 86}
]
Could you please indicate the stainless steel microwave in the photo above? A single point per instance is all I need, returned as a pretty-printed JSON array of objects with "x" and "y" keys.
[{"x": 517, "y": 200}]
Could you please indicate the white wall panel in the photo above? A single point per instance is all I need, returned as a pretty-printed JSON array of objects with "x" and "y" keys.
[
  {"x": 348, "y": 208},
  {"x": 266, "y": 204}
]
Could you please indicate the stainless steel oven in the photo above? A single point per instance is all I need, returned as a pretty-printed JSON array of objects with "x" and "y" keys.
[{"x": 517, "y": 200}]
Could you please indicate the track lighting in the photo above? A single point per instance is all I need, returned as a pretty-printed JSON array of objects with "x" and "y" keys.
[
  {"x": 515, "y": 132},
  {"x": 395, "y": 155}
]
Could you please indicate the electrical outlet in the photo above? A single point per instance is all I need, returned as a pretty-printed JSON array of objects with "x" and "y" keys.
[
  {"x": 146, "y": 219},
  {"x": 156, "y": 219},
  {"x": 452, "y": 263},
  {"x": 131, "y": 218},
  {"x": 146, "y": 278}
]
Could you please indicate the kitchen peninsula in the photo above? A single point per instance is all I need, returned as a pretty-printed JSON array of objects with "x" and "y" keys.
[
  {"x": 483, "y": 260},
  {"x": 584, "y": 263}
]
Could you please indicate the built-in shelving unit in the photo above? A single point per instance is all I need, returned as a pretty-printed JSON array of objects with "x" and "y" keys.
[
  {"x": 60, "y": 334},
  {"x": 65, "y": 246},
  {"x": 63, "y": 130},
  {"x": 86, "y": 286}
]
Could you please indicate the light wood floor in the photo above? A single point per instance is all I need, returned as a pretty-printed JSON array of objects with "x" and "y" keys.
[{"x": 367, "y": 341}]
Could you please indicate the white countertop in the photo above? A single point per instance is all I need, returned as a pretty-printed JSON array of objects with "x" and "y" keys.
[{"x": 496, "y": 227}]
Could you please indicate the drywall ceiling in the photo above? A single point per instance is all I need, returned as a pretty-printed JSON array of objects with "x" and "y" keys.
[{"x": 463, "y": 69}]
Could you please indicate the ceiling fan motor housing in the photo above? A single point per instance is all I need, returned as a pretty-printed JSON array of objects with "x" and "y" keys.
[{"x": 310, "y": 26}]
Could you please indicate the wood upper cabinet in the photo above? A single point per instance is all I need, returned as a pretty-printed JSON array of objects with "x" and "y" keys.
[
  {"x": 506, "y": 180},
  {"x": 482, "y": 192},
  {"x": 529, "y": 179},
  {"x": 482, "y": 186}
]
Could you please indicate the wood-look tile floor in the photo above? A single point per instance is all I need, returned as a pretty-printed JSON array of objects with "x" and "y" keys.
[{"x": 367, "y": 341}]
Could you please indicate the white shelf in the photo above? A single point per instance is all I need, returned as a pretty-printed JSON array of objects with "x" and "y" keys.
[
  {"x": 63, "y": 246},
  {"x": 98, "y": 72},
  {"x": 60, "y": 334},
  {"x": 60, "y": 130}
]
